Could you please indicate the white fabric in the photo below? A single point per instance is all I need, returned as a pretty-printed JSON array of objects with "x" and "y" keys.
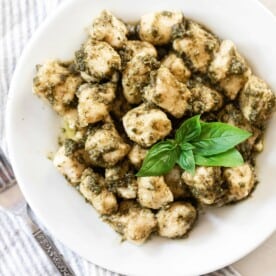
[{"x": 19, "y": 253}]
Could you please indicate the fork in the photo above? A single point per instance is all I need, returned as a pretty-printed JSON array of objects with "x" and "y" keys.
[{"x": 12, "y": 200}]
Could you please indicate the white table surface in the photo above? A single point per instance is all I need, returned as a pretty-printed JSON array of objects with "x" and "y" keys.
[{"x": 261, "y": 262}]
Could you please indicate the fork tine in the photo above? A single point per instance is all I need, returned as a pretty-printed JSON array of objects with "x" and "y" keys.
[{"x": 7, "y": 178}]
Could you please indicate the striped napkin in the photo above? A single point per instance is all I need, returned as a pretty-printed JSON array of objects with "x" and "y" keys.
[{"x": 19, "y": 253}]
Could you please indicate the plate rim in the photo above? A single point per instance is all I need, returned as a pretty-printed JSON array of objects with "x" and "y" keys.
[{"x": 8, "y": 133}]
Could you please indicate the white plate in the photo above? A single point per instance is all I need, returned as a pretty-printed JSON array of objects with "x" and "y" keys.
[{"x": 221, "y": 236}]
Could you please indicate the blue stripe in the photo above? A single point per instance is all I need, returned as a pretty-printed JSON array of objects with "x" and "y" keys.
[
  {"x": 28, "y": 12},
  {"x": 36, "y": 13},
  {"x": 4, "y": 67},
  {"x": 13, "y": 58},
  {"x": 11, "y": 244}
]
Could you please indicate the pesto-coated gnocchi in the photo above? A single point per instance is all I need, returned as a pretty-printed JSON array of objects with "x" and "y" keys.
[{"x": 130, "y": 86}]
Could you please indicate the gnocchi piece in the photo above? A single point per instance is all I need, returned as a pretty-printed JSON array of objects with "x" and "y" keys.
[
  {"x": 240, "y": 181},
  {"x": 120, "y": 105},
  {"x": 197, "y": 47},
  {"x": 97, "y": 61},
  {"x": 137, "y": 75},
  {"x": 105, "y": 147},
  {"x": 177, "y": 67},
  {"x": 176, "y": 219},
  {"x": 106, "y": 27},
  {"x": 157, "y": 27},
  {"x": 133, "y": 48},
  {"x": 94, "y": 102},
  {"x": 205, "y": 184},
  {"x": 153, "y": 192},
  {"x": 55, "y": 83},
  {"x": 229, "y": 69},
  {"x": 137, "y": 155},
  {"x": 92, "y": 187},
  {"x": 133, "y": 222},
  {"x": 168, "y": 93},
  {"x": 128, "y": 192},
  {"x": 257, "y": 101},
  {"x": 145, "y": 125},
  {"x": 118, "y": 172},
  {"x": 121, "y": 179},
  {"x": 175, "y": 183},
  {"x": 69, "y": 164},
  {"x": 203, "y": 98}
]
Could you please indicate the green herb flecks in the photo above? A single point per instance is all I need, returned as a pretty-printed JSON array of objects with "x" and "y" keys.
[{"x": 196, "y": 143}]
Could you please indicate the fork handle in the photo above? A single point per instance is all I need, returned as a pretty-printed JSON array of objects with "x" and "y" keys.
[{"x": 50, "y": 249}]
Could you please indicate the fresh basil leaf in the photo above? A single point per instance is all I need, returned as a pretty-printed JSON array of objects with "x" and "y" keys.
[
  {"x": 230, "y": 158},
  {"x": 189, "y": 130},
  {"x": 218, "y": 137},
  {"x": 186, "y": 146},
  {"x": 162, "y": 146},
  {"x": 186, "y": 161},
  {"x": 160, "y": 159}
]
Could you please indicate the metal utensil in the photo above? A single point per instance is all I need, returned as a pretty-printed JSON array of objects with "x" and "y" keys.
[
  {"x": 12, "y": 200},
  {"x": 226, "y": 271}
]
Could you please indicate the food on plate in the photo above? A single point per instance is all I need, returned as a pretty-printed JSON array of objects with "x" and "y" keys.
[
  {"x": 136, "y": 76},
  {"x": 92, "y": 187},
  {"x": 145, "y": 125},
  {"x": 55, "y": 82},
  {"x": 133, "y": 222},
  {"x": 195, "y": 45},
  {"x": 206, "y": 184},
  {"x": 161, "y": 119},
  {"x": 157, "y": 27},
  {"x": 176, "y": 219},
  {"x": 153, "y": 192}
]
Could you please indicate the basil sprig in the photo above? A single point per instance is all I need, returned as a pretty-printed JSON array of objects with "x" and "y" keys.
[
  {"x": 196, "y": 143},
  {"x": 160, "y": 159}
]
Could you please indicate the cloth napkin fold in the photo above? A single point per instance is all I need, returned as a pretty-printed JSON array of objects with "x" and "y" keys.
[{"x": 19, "y": 253}]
